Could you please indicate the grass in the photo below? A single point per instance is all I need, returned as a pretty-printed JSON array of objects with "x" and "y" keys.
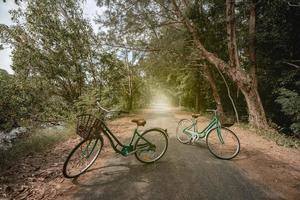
[
  {"x": 39, "y": 140},
  {"x": 281, "y": 139}
]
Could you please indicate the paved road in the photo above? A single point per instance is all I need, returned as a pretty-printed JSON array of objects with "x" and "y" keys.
[{"x": 185, "y": 172}]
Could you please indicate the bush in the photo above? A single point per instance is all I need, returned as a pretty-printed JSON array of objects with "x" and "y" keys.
[
  {"x": 290, "y": 105},
  {"x": 28, "y": 99},
  {"x": 40, "y": 139},
  {"x": 14, "y": 101}
]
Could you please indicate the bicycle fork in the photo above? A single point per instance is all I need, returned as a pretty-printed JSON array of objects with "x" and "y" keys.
[{"x": 220, "y": 135}]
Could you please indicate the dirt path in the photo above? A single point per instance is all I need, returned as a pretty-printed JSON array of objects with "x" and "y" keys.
[
  {"x": 263, "y": 170},
  {"x": 187, "y": 171},
  {"x": 275, "y": 169}
]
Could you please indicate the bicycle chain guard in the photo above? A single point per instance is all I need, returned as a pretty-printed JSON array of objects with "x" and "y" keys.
[{"x": 126, "y": 150}]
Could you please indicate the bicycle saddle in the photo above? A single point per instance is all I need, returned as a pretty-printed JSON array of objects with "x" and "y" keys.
[
  {"x": 195, "y": 115},
  {"x": 139, "y": 122}
]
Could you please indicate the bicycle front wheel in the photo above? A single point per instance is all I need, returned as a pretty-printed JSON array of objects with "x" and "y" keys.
[
  {"x": 151, "y": 145},
  {"x": 223, "y": 143},
  {"x": 182, "y": 136},
  {"x": 82, "y": 157}
]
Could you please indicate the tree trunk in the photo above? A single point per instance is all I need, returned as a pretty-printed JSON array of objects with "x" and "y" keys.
[
  {"x": 231, "y": 34},
  {"x": 198, "y": 94},
  {"x": 215, "y": 92},
  {"x": 249, "y": 90},
  {"x": 130, "y": 84},
  {"x": 197, "y": 101},
  {"x": 129, "y": 103},
  {"x": 255, "y": 107},
  {"x": 238, "y": 75},
  {"x": 252, "y": 41}
]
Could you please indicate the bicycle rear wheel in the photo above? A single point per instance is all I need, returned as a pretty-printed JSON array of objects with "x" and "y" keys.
[
  {"x": 151, "y": 145},
  {"x": 182, "y": 136},
  {"x": 82, "y": 157},
  {"x": 223, "y": 143}
]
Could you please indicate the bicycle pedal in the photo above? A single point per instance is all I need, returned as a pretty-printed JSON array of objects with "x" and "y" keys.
[{"x": 193, "y": 140}]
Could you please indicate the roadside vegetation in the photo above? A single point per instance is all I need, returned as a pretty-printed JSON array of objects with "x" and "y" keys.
[
  {"x": 241, "y": 57},
  {"x": 37, "y": 140},
  {"x": 276, "y": 136}
]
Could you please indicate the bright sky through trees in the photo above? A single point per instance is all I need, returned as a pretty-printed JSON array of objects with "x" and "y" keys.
[
  {"x": 90, "y": 10},
  {"x": 160, "y": 101}
]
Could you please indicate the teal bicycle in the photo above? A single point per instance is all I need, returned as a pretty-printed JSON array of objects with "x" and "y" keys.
[
  {"x": 221, "y": 141},
  {"x": 147, "y": 146}
]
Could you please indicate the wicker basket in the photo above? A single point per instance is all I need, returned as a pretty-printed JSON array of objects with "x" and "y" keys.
[{"x": 88, "y": 126}]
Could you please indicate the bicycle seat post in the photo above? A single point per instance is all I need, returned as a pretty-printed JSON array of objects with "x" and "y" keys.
[
  {"x": 195, "y": 121},
  {"x": 212, "y": 110},
  {"x": 215, "y": 113}
]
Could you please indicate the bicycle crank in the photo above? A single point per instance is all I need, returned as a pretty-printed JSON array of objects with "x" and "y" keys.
[{"x": 195, "y": 138}]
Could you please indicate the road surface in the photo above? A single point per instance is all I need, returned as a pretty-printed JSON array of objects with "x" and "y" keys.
[{"x": 186, "y": 172}]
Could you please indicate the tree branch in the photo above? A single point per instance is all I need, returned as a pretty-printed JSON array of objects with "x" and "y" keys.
[
  {"x": 291, "y": 64},
  {"x": 293, "y": 5},
  {"x": 133, "y": 48}
]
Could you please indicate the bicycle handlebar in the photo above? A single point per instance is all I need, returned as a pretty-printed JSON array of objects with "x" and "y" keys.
[
  {"x": 104, "y": 109},
  {"x": 212, "y": 110},
  {"x": 108, "y": 112}
]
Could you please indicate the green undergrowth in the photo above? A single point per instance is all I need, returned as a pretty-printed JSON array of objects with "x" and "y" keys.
[
  {"x": 281, "y": 139},
  {"x": 39, "y": 140}
]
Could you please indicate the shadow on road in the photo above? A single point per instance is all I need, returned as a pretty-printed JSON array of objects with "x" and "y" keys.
[{"x": 185, "y": 172}]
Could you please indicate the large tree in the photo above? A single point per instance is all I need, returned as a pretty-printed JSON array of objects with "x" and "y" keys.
[
  {"x": 54, "y": 42},
  {"x": 148, "y": 16}
]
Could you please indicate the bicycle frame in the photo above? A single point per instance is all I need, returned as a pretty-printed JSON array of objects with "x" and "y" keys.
[
  {"x": 214, "y": 123},
  {"x": 126, "y": 149},
  {"x": 85, "y": 152}
]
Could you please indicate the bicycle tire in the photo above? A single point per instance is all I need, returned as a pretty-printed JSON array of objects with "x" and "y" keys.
[
  {"x": 66, "y": 173},
  {"x": 179, "y": 133},
  {"x": 212, "y": 137},
  {"x": 149, "y": 135}
]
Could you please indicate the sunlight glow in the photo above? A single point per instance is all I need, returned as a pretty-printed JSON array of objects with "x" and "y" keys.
[{"x": 160, "y": 101}]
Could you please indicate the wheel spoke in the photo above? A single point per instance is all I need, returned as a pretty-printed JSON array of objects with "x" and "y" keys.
[
  {"x": 182, "y": 135},
  {"x": 82, "y": 157},
  {"x": 223, "y": 143},
  {"x": 154, "y": 148}
]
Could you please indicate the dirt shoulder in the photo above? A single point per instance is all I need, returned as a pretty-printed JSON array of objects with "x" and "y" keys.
[
  {"x": 39, "y": 176},
  {"x": 262, "y": 160},
  {"x": 274, "y": 166}
]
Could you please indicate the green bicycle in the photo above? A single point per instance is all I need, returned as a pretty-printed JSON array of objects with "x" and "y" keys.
[
  {"x": 221, "y": 141},
  {"x": 147, "y": 146}
]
